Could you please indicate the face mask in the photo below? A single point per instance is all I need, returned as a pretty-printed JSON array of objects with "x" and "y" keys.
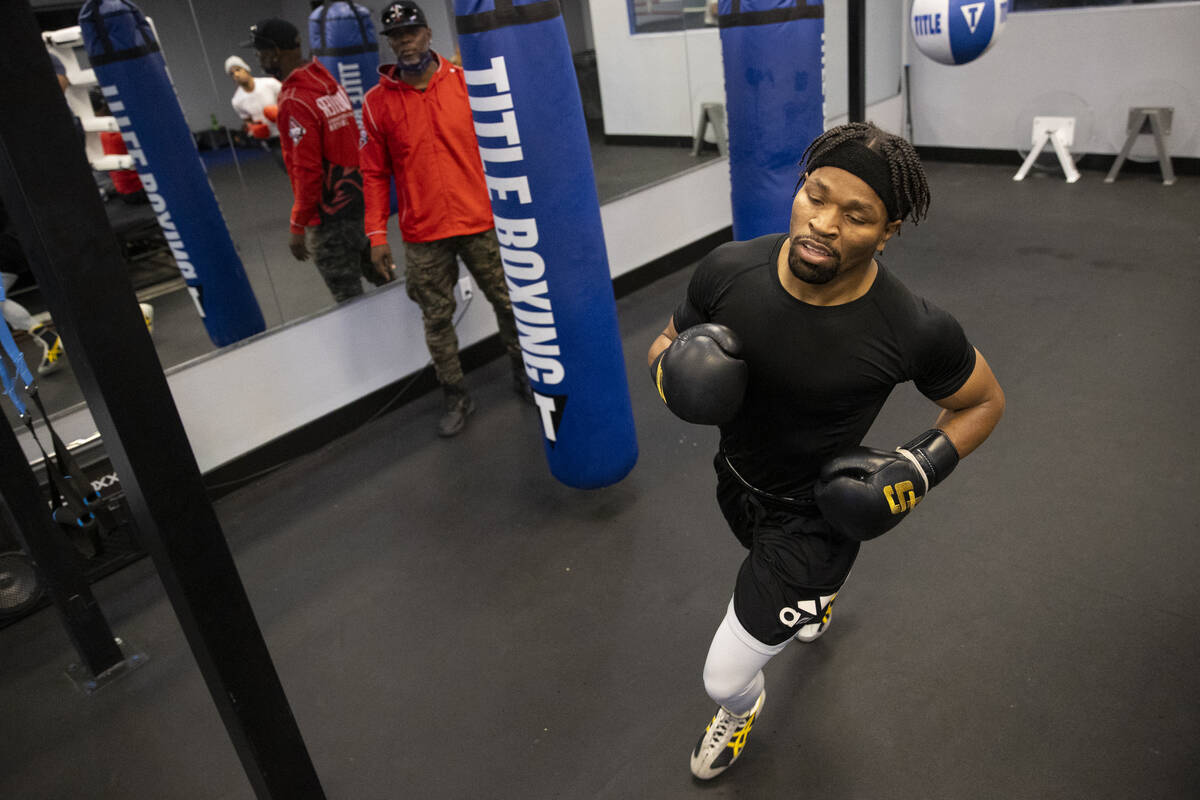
[
  {"x": 420, "y": 66},
  {"x": 274, "y": 70}
]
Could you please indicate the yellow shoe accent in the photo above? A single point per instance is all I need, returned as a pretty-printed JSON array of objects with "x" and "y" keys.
[
  {"x": 148, "y": 316},
  {"x": 723, "y": 740},
  {"x": 52, "y": 349}
]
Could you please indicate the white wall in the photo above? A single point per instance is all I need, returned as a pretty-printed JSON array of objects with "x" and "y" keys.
[
  {"x": 885, "y": 23},
  {"x": 1089, "y": 63},
  {"x": 644, "y": 79},
  {"x": 652, "y": 84},
  {"x": 887, "y": 114}
]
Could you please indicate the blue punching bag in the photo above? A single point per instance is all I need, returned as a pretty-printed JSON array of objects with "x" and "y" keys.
[
  {"x": 342, "y": 38},
  {"x": 774, "y": 104},
  {"x": 133, "y": 77},
  {"x": 533, "y": 141}
]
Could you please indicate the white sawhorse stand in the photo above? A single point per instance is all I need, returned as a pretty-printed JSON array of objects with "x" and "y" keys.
[
  {"x": 1060, "y": 133},
  {"x": 1155, "y": 121},
  {"x": 711, "y": 114}
]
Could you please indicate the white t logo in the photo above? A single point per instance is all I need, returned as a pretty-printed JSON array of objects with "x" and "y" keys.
[
  {"x": 546, "y": 407},
  {"x": 972, "y": 12}
]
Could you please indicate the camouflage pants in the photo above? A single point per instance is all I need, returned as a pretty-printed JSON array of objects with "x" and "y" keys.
[
  {"x": 341, "y": 252},
  {"x": 432, "y": 272}
]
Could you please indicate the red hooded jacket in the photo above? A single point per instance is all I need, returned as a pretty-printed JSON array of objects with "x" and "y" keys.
[
  {"x": 426, "y": 139},
  {"x": 320, "y": 147}
]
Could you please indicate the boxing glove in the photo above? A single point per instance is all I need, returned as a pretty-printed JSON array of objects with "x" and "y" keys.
[
  {"x": 864, "y": 493},
  {"x": 700, "y": 377}
]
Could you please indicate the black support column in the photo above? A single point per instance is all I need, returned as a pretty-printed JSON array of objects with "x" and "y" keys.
[
  {"x": 57, "y": 560},
  {"x": 47, "y": 188},
  {"x": 856, "y": 47}
]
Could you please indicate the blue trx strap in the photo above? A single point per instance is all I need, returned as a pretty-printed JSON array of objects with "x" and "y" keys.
[
  {"x": 73, "y": 497},
  {"x": 10, "y": 383},
  {"x": 18, "y": 358}
]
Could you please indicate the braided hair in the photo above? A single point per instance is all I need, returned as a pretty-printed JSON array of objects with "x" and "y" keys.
[{"x": 907, "y": 174}]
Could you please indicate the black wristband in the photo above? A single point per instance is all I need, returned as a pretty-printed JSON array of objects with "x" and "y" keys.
[{"x": 936, "y": 454}]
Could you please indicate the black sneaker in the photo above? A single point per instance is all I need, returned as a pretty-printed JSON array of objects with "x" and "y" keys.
[
  {"x": 459, "y": 406},
  {"x": 520, "y": 381}
]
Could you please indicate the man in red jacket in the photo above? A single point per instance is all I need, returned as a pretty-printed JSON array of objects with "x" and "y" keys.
[
  {"x": 320, "y": 151},
  {"x": 419, "y": 129}
]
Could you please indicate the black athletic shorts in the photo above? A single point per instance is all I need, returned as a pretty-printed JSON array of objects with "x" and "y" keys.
[{"x": 795, "y": 558}]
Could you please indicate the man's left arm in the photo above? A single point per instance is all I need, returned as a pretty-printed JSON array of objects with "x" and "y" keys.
[
  {"x": 863, "y": 492},
  {"x": 969, "y": 415},
  {"x": 304, "y": 164}
]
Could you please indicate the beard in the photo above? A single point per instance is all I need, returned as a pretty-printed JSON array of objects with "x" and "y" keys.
[{"x": 812, "y": 273}]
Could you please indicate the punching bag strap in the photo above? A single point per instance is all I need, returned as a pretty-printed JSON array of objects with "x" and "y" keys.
[
  {"x": 362, "y": 26},
  {"x": 507, "y": 14},
  {"x": 101, "y": 31},
  {"x": 737, "y": 17},
  {"x": 321, "y": 26},
  {"x": 99, "y": 22},
  {"x": 365, "y": 46}
]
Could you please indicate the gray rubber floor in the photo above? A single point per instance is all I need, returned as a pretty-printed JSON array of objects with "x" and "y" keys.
[{"x": 451, "y": 622}]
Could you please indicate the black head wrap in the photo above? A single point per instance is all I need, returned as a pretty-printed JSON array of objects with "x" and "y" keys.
[{"x": 863, "y": 162}]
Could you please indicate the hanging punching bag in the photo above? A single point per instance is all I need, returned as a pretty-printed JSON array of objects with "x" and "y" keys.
[
  {"x": 537, "y": 163},
  {"x": 772, "y": 51},
  {"x": 342, "y": 37},
  {"x": 133, "y": 77}
]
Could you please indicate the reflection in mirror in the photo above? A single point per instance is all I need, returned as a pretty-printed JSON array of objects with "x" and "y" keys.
[
  {"x": 222, "y": 90},
  {"x": 657, "y": 16},
  {"x": 654, "y": 70},
  {"x": 152, "y": 267}
]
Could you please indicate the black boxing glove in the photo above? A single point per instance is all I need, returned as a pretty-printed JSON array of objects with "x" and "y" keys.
[
  {"x": 700, "y": 377},
  {"x": 864, "y": 493}
]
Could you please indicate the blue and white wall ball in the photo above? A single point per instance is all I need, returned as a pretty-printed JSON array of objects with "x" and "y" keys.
[{"x": 957, "y": 31}]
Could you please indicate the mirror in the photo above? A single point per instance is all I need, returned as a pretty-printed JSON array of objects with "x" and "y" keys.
[{"x": 642, "y": 85}]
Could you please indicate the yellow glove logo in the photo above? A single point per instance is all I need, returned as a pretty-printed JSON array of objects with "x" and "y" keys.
[{"x": 901, "y": 497}]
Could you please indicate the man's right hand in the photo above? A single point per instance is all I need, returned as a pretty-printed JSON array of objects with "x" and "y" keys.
[
  {"x": 298, "y": 246},
  {"x": 381, "y": 257},
  {"x": 700, "y": 376}
]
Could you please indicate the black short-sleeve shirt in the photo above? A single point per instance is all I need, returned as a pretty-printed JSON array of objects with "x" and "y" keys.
[{"x": 819, "y": 375}]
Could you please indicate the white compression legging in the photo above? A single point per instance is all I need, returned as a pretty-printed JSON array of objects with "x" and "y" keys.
[{"x": 733, "y": 671}]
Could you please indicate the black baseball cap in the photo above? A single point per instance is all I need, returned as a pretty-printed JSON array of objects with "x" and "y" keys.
[
  {"x": 402, "y": 14},
  {"x": 271, "y": 33}
]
